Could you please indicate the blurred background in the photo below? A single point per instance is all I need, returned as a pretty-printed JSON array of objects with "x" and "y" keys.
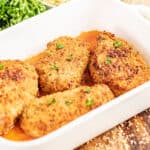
[
  {"x": 145, "y": 2},
  {"x": 15, "y": 11}
]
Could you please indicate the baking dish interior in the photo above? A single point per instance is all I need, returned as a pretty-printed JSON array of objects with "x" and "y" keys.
[{"x": 30, "y": 37}]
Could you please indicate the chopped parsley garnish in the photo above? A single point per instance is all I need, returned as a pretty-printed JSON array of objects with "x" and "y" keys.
[
  {"x": 69, "y": 58},
  {"x": 89, "y": 102},
  {"x": 2, "y": 66},
  {"x": 51, "y": 101},
  {"x": 54, "y": 67},
  {"x": 59, "y": 46},
  {"x": 14, "y": 11},
  {"x": 117, "y": 44},
  {"x": 68, "y": 102},
  {"x": 87, "y": 90},
  {"x": 108, "y": 61}
]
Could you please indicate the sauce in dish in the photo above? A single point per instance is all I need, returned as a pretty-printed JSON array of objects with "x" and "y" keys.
[
  {"x": 88, "y": 71},
  {"x": 16, "y": 133}
]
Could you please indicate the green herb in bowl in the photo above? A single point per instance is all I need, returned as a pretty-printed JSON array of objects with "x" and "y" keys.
[{"x": 15, "y": 11}]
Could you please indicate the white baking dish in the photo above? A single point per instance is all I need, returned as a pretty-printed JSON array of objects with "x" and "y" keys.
[{"x": 31, "y": 36}]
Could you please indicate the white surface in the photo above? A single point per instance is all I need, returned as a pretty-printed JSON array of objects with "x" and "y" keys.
[
  {"x": 144, "y": 11},
  {"x": 31, "y": 36},
  {"x": 141, "y": 8}
]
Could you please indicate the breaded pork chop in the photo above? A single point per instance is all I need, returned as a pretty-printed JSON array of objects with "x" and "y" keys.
[
  {"x": 62, "y": 64},
  {"x": 22, "y": 74},
  {"x": 18, "y": 83},
  {"x": 12, "y": 101},
  {"x": 50, "y": 112},
  {"x": 117, "y": 64}
]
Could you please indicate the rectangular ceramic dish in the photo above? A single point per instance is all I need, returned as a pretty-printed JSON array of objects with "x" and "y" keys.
[{"x": 31, "y": 36}]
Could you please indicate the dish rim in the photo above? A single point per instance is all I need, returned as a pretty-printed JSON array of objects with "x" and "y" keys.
[
  {"x": 62, "y": 129},
  {"x": 80, "y": 119}
]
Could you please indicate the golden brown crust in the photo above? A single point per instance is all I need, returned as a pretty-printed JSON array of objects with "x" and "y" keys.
[
  {"x": 18, "y": 82},
  {"x": 42, "y": 117},
  {"x": 12, "y": 101},
  {"x": 118, "y": 65},
  {"x": 22, "y": 74},
  {"x": 62, "y": 68}
]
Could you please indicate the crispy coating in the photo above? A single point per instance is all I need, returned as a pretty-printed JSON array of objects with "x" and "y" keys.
[
  {"x": 62, "y": 64},
  {"x": 18, "y": 83},
  {"x": 117, "y": 64},
  {"x": 12, "y": 101},
  {"x": 53, "y": 111},
  {"x": 22, "y": 74}
]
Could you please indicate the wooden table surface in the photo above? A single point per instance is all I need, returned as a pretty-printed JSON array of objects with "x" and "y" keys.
[{"x": 133, "y": 134}]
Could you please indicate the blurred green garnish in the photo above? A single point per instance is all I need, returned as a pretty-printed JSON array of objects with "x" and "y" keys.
[
  {"x": 1, "y": 66},
  {"x": 69, "y": 58},
  {"x": 89, "y": 102},
  {"x": 14, "y": 11},
  {"x": 68, "y": 102},
  {"x": 51, "y": 101},
  {"x": 59, "y": 46},
  {"x": 117, "y": 44},
  {"x": 54, "y": 67},
  {"x": 87, "y": 90},
  {"x": 108, "y": 61}
]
